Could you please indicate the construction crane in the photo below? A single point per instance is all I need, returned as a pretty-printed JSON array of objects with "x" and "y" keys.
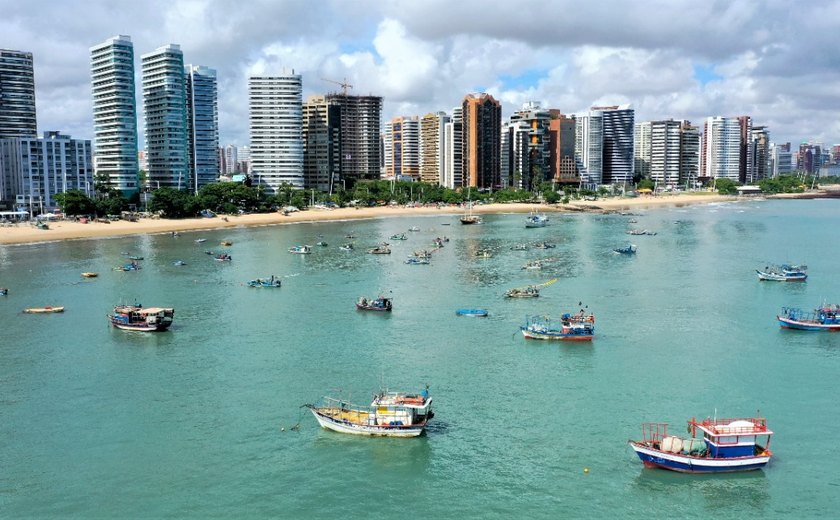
[{"x": 344, "y": 84}]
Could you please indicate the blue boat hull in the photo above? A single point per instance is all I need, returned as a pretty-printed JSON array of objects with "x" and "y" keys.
[
  {"x": 810, "y": 325},
  {"x": 686, "y": 464}
]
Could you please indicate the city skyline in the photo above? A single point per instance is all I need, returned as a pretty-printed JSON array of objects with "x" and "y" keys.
[{"x": 669, "y": 60}]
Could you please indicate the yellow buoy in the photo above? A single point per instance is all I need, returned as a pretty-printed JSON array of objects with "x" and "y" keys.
[{"x": 586, "y": 470}]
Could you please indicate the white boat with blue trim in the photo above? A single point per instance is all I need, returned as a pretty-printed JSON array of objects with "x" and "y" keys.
[
  {"x": 390, "y": 414},
  {"x": 726, "y": 445}
]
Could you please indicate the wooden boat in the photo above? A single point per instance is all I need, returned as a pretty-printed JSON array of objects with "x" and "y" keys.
[
  {"x": 272, "y": 282},
  {"x": 468, "y": 217},
  {"x": 301, "y": 250},
  {"x": 783, "y": 273},
  {"x": 473, "y": 313},
  {"x": 142, "y": 319},
  {"x": 43, "y": 310},
  {"x": 530, "y": 291},
  {"x": 629, "y": 250},
  {"x": 226, "y": 243},
  {"x": 89, "y": 274},
  {"x": 824, "y": 318},
  {"x": 727, "y": 445},
  {"x": 572, "y": 327},
  {"x": 390, "y": 414},
  {"x": 380, "y": 304},
  {"x": 380, "y": 250}
]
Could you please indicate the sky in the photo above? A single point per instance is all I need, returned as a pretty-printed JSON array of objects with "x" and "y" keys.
[{"x": 774, "y": 60}]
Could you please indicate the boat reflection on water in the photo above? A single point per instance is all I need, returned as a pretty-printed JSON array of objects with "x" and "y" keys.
[
  {"x": 410, "y": 458},
  {"x": 732, "y": 493}
]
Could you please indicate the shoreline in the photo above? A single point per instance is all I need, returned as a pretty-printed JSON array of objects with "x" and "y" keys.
[{"x": 25, "y": 233}]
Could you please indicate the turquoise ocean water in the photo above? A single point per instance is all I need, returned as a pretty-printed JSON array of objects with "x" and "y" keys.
[{"x": 197, "y": 421}]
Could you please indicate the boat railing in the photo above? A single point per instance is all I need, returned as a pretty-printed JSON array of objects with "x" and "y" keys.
[
  {"x": 757, "y": 426},
  {"x": 654, "y": 432}
]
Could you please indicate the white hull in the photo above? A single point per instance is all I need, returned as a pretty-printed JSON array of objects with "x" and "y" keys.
[{"x": 369, "y": 430}]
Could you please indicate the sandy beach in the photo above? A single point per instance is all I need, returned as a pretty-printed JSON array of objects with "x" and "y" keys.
[{"x": 25, "y": 233}]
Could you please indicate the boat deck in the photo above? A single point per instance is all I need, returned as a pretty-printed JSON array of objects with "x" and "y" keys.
[{"x": 353, "y": 416}]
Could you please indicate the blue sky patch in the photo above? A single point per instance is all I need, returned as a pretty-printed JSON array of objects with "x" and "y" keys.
[{"x": 705, "y": 73}]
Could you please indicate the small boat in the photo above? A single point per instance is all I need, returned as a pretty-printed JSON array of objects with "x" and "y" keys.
[
  {"x": 826, "y": 317},
  {"x": 135, "y": 258},
  {"x": 133, "y": 266},
  {"x": 535, "y": 220},
  {"x": 42, "y": 225},
  {"x": 534, "y": 264},
  {"x": 470, "y": 219},
  {"x": 350, "y": 236},
  {"x": 390, "y": 414},
  {"x": 272, "y": 282},
  {"x": 142, "y": 319},
  {"x": 301, "y": 250},
  {"x": 629, "y": 250},
  {"x": 374, "y": 304},
  {"x": 208, "y": 252},
  {"x": 400, "y": 236},
  {"x": 474, "y": 313},
  {"x": 200, "y": 240},
  {"x": 179, "y": 263},
  {"x": 445, "y": 224},
  {"x": 223, "y": 257},
  {"x": 346, "y": 247},
  {"x": 519, "y": 247},
  {"x": 89, "y": 274},
  {"x": 226, "y": 243},
  {"x": 3, "y": 291},
  {"x": 43, "y": 310},
  {"x": 417, "y": 260},
  {"x": 321, "y": 243},
  {"x": 414, "y": 228},
  {"x": 531, "y": 291},
  {"x": 727, "y": 445},
  {"x": 484, "y": 253},
  {"x": 176, "y": 234},
  {"x": 640, "y": 232},
  {"x": 423, "y": 254},
  {"x": 783, "y": 273},
  {"x": 380, "y": 250},
  {"x": 572, "y": 327},
  {"x": 544, "y": 245}
]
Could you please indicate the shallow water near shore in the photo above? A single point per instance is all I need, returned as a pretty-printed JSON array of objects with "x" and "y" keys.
[{"x": 199, "y": 421}]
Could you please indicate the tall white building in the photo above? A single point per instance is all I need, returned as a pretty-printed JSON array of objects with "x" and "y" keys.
[
  {"x": 589, "y": 142},
  {"x": 115, "y": 112},
  {"x": 641, "y": 149},
  {"x": 617, "y": 152},
  {"x": 401, "y": 142},
  {"x": 721, "y": 148},
  {"x": 230, "y": 157},
  {"x": 276, "y": 115},
  {"x": 202, "y": 125},
  {"x": 165, "y": 117},
  {"x": 453, "y": 150},
  {"x": 665, "y": 152}
]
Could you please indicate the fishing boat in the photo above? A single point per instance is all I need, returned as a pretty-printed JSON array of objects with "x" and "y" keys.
[
  {"x": 346, "y": 247},
  {"x": 824, "y": 318},
  {"x": 423, "y": 254},
  {"x": 468, "y": 217},
  {"x": 473, "y": 313},
  {"x": 640, "y": 232},
  {"x": 484, "y": 253},
  {"x": 3, "y": 291},
  {"x": 179, "y": 263},
  {"x": 381, "y": 304},
  {"x": 628, "y": 250},
  {"x": 530, "y": 291},
  {"x": 571, "y": 327},
  {"x": 379, "y": 250},
  {"x": 89, "y": 274},
  {"x": 226, "y": 243},
  {"x": 272, "y": 282},
  {"x": 536, "y": 220},
  {"x": 301, "y": 250},
  {"x": 350, "y": 236},
  {"x": 142, "y": 319},
  {"x": 534, "y": 264},
  {"x": 200, "y": 240},
  {"x": 390, "y": 414},
  {"x": 43, "y": 310},
  {"x": 418, "y": 260},
  {"x": 414, "y": 228},
  {"x": 726, "y": 445},
  {"x": 783, "y": 273},
  {"x": 223, "y": 257},
  {"x": 400, "y": 236},
  {"x": 544, "y": 245},
  {"x": 519, "y": 247},
  {"x": 135, "y": 258},
  {"x": 133, "y": 266}
]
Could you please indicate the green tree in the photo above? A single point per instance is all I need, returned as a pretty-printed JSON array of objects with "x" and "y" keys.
[
  {"x": 726, "y": 186},
  {"x": 75, "y": 202},
  {"x": 173, "y": 203},
  {"x": 645, "y": 184}
]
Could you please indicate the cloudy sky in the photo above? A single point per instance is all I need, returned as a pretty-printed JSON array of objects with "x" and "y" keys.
[{"x": 775, "y": 60}]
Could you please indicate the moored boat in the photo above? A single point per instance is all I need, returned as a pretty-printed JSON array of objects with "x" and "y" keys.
[
  {"x": 133, "y": 266},
  {"x": 346, "y": 247},
  {"x": 273, "y": 282},
  {"x": 531, "y": 291},
  {"x": 380, "y": 250},
  {"x": 43, "y": 310},
  {"x": 536, "y": 220},
  {"x": 226, "y": 243},
  {"x": 571, "y": 327},
  {"x": 418, "y": 260},
  {"x": 3, "y": 291},
  {"x": 89, "y": 274},
  {"x": 824, "y": 318},
  {"x": 473, "y": 313},
  {"x": 223, "y": 257},
  {"x": 783, "y": 273},
  {"x": 414, "y": 228},
  {"x": 390, "y": 414},
  {"x": 400, "y": 236},
  {"x": 534, "y": 264},
  {"x": 628, "y": 250},
  {"x": 301, "y": 250},
  {"x": 727, "y": 445},
  {"x": 142, "y": 319},
  {"x": 380, "y": 304},
  {"x": 200, "y": 240},
  {"x": 321, "y": 243},
  {"x": 484, "y": 253},
  {"x": 544, "y": 245},
  {"x": 179, "y": 263}
]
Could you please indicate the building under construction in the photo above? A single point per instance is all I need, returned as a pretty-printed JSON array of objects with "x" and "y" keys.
[{"x": 360, "y": 126}]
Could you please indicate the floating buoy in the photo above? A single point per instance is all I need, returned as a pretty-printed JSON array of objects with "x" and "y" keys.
[
  {"x": 586, "y": 470},
  {"x": 282, "y": 429}
]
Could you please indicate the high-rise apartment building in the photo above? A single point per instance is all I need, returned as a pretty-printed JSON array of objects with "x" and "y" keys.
[
  {"x": 810, "y": 158},
  {"x": 689, "y": 154},
  {"x": 361, "y": 119},
  {"x": 665, "y": 159},
  {"x": 402, "y": 147},
  {"x": 780, "y": 159},
  {"x": 641, "y": 149},
  {"x": 536, "y": 161},
  {"x": 165, "y": 117},
  {"x": 202, "y": 125},
  {"x": 433, "y": 147},
  {"x": 561, "y": 135},
  {"x": 17, "y": 94},
  {"x": 321, "y": 144},
  {"x": 482, "y": 129},
  {"x": 617, "y": 158},
  {"x": 115, "y": 113},
  {"x": 244, "y": 159},
  {"x": 453, "y": 150},
  {"x": 759, "y": 154},
  {"x": 229, "y": 156},
  {"x": 589, "y": 147},
  {"x": 276, "y": 114},
  {"x": 721, "y": 148},
  {"x": 745, "y": 159}
]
